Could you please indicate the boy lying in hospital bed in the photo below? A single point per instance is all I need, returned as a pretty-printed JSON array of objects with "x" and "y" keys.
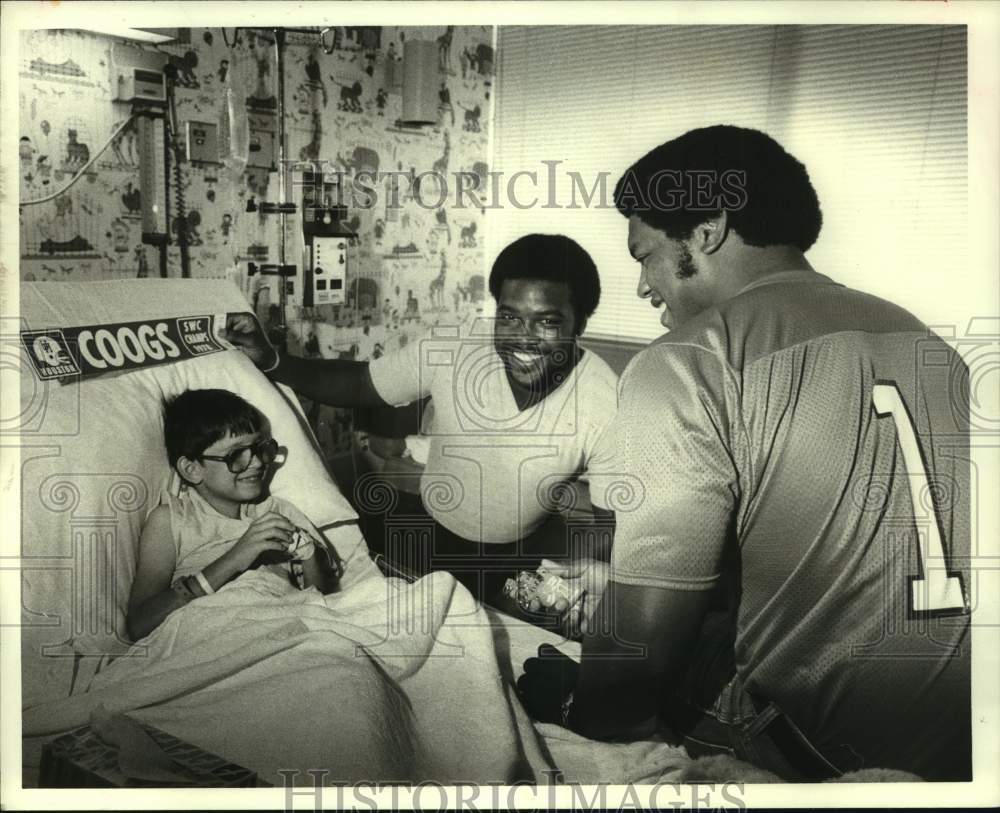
[
  {"x": 378, "y": 679},
  {"x": 226, "y": 651},
  {"x": 218, "y": 527}
]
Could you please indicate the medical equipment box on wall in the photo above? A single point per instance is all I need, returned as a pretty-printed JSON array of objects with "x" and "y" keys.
[
  {"x": 329, "y": 270},
  {"x": 137, "y": 75}
]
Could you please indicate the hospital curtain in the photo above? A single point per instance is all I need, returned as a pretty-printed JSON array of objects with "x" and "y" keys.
[{"x": 876, "y": 113}]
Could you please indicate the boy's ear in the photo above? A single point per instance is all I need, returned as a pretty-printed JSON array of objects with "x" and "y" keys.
[{"x": 189, "y": 470}]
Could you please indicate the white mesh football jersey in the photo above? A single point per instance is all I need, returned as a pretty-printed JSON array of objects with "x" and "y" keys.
[{"x": 821, "y": 435}]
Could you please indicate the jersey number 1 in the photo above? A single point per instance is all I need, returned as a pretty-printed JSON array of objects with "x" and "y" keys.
[{"x": 934, "y": 591}]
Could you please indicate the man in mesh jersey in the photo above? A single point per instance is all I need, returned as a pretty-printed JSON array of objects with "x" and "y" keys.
[{"x": 791, "y": 588}]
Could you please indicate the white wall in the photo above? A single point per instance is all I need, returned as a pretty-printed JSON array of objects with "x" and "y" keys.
[{"x": 876, "y": 113}]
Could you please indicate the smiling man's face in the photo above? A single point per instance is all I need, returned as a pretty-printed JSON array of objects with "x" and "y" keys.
[
  {"x": 669, "y": 277},
  {"x": 535, "y": 331}
]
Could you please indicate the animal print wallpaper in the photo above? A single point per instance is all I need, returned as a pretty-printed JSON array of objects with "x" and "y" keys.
[{"x": 411, "y": 264}]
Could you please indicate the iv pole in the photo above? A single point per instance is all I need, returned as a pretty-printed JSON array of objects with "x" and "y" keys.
[
  {"x": 279, "y": 47},
  {"x": 283, "y": 207},
  {"x": 280, "y": 332}
]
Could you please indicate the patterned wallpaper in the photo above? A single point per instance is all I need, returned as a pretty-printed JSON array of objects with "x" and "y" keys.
[{"x": 410, "y": 266}]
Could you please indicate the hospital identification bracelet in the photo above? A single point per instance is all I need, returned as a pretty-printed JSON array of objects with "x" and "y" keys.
[
  {"x": 204, "y": 583},
  {"x": 192, "y": 587}
]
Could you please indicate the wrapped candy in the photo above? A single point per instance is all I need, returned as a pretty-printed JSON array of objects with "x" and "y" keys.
[
  {"x": 546, "y": 587},
  {"x": 300, "y": 540},
  {"x": 301, "y": 548}
]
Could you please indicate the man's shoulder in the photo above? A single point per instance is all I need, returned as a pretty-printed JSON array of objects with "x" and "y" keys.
[
  {"x": 408, "y": 371},
  {"x": 812, "y": 291},
  {"x": 596, "y": 387},
  {"x": 596, "y": 373},
  {"x": 446, "y": 349},
  {"x": 694, "y": 345},
  {"x": 773, "y": 315}
]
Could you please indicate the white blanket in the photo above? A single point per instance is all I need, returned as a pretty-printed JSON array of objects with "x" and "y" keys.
[{"x": 384, "y": 681}]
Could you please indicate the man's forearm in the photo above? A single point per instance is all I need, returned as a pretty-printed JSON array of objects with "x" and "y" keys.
[
  {"x": 639, "y": 646},
  {"x": 329, "y": 381},
  {"x": 616, "y": 694}
]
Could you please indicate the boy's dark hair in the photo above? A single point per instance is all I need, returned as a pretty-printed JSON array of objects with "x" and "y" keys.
[
  {"x": 765, "y": 191},
  {"x": 196, "y": 419},
  {"x": 552, "y": 258}
]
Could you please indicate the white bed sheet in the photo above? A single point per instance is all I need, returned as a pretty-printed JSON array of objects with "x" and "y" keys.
[{"x": 384, "y": 681}]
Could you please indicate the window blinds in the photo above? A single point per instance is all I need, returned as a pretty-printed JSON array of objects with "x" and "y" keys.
[{"x": 876, "y": 113}]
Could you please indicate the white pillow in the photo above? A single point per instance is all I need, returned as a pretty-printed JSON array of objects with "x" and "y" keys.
[{"x": 94, "y": 464}]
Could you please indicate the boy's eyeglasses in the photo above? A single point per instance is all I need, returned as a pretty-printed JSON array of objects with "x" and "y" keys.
[{"x": 238, "y": 460}]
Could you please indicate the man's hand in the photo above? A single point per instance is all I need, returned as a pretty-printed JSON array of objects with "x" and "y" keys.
[
  {"x": 245, "y": 332},
  {"x": 591, "y": 575},
  {"x": 546, "y": 684}
]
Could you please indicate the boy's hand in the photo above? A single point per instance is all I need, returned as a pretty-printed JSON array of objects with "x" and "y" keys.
[
  {"x": 245, "y": 332},
  {"x": 272, "y": 531}
]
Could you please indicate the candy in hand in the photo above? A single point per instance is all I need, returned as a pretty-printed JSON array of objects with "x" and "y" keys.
[
  {"x": 300, "y": 539},
  {"x": 551, "y": 591}
]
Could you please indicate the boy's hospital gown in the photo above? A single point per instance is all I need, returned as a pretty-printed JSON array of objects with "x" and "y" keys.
[{"x": 201, "y": 534}]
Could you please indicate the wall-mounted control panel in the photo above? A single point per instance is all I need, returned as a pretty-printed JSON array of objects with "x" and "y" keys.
[
  {"x": 201, "y": 140},
  {"x": 329, "y": 270}
]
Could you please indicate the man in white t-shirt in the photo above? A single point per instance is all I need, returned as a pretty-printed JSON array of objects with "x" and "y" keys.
[{"x": 519, "y": 412}]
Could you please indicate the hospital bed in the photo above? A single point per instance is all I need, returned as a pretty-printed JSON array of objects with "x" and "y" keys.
[{"x": 383, "y": 680}]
